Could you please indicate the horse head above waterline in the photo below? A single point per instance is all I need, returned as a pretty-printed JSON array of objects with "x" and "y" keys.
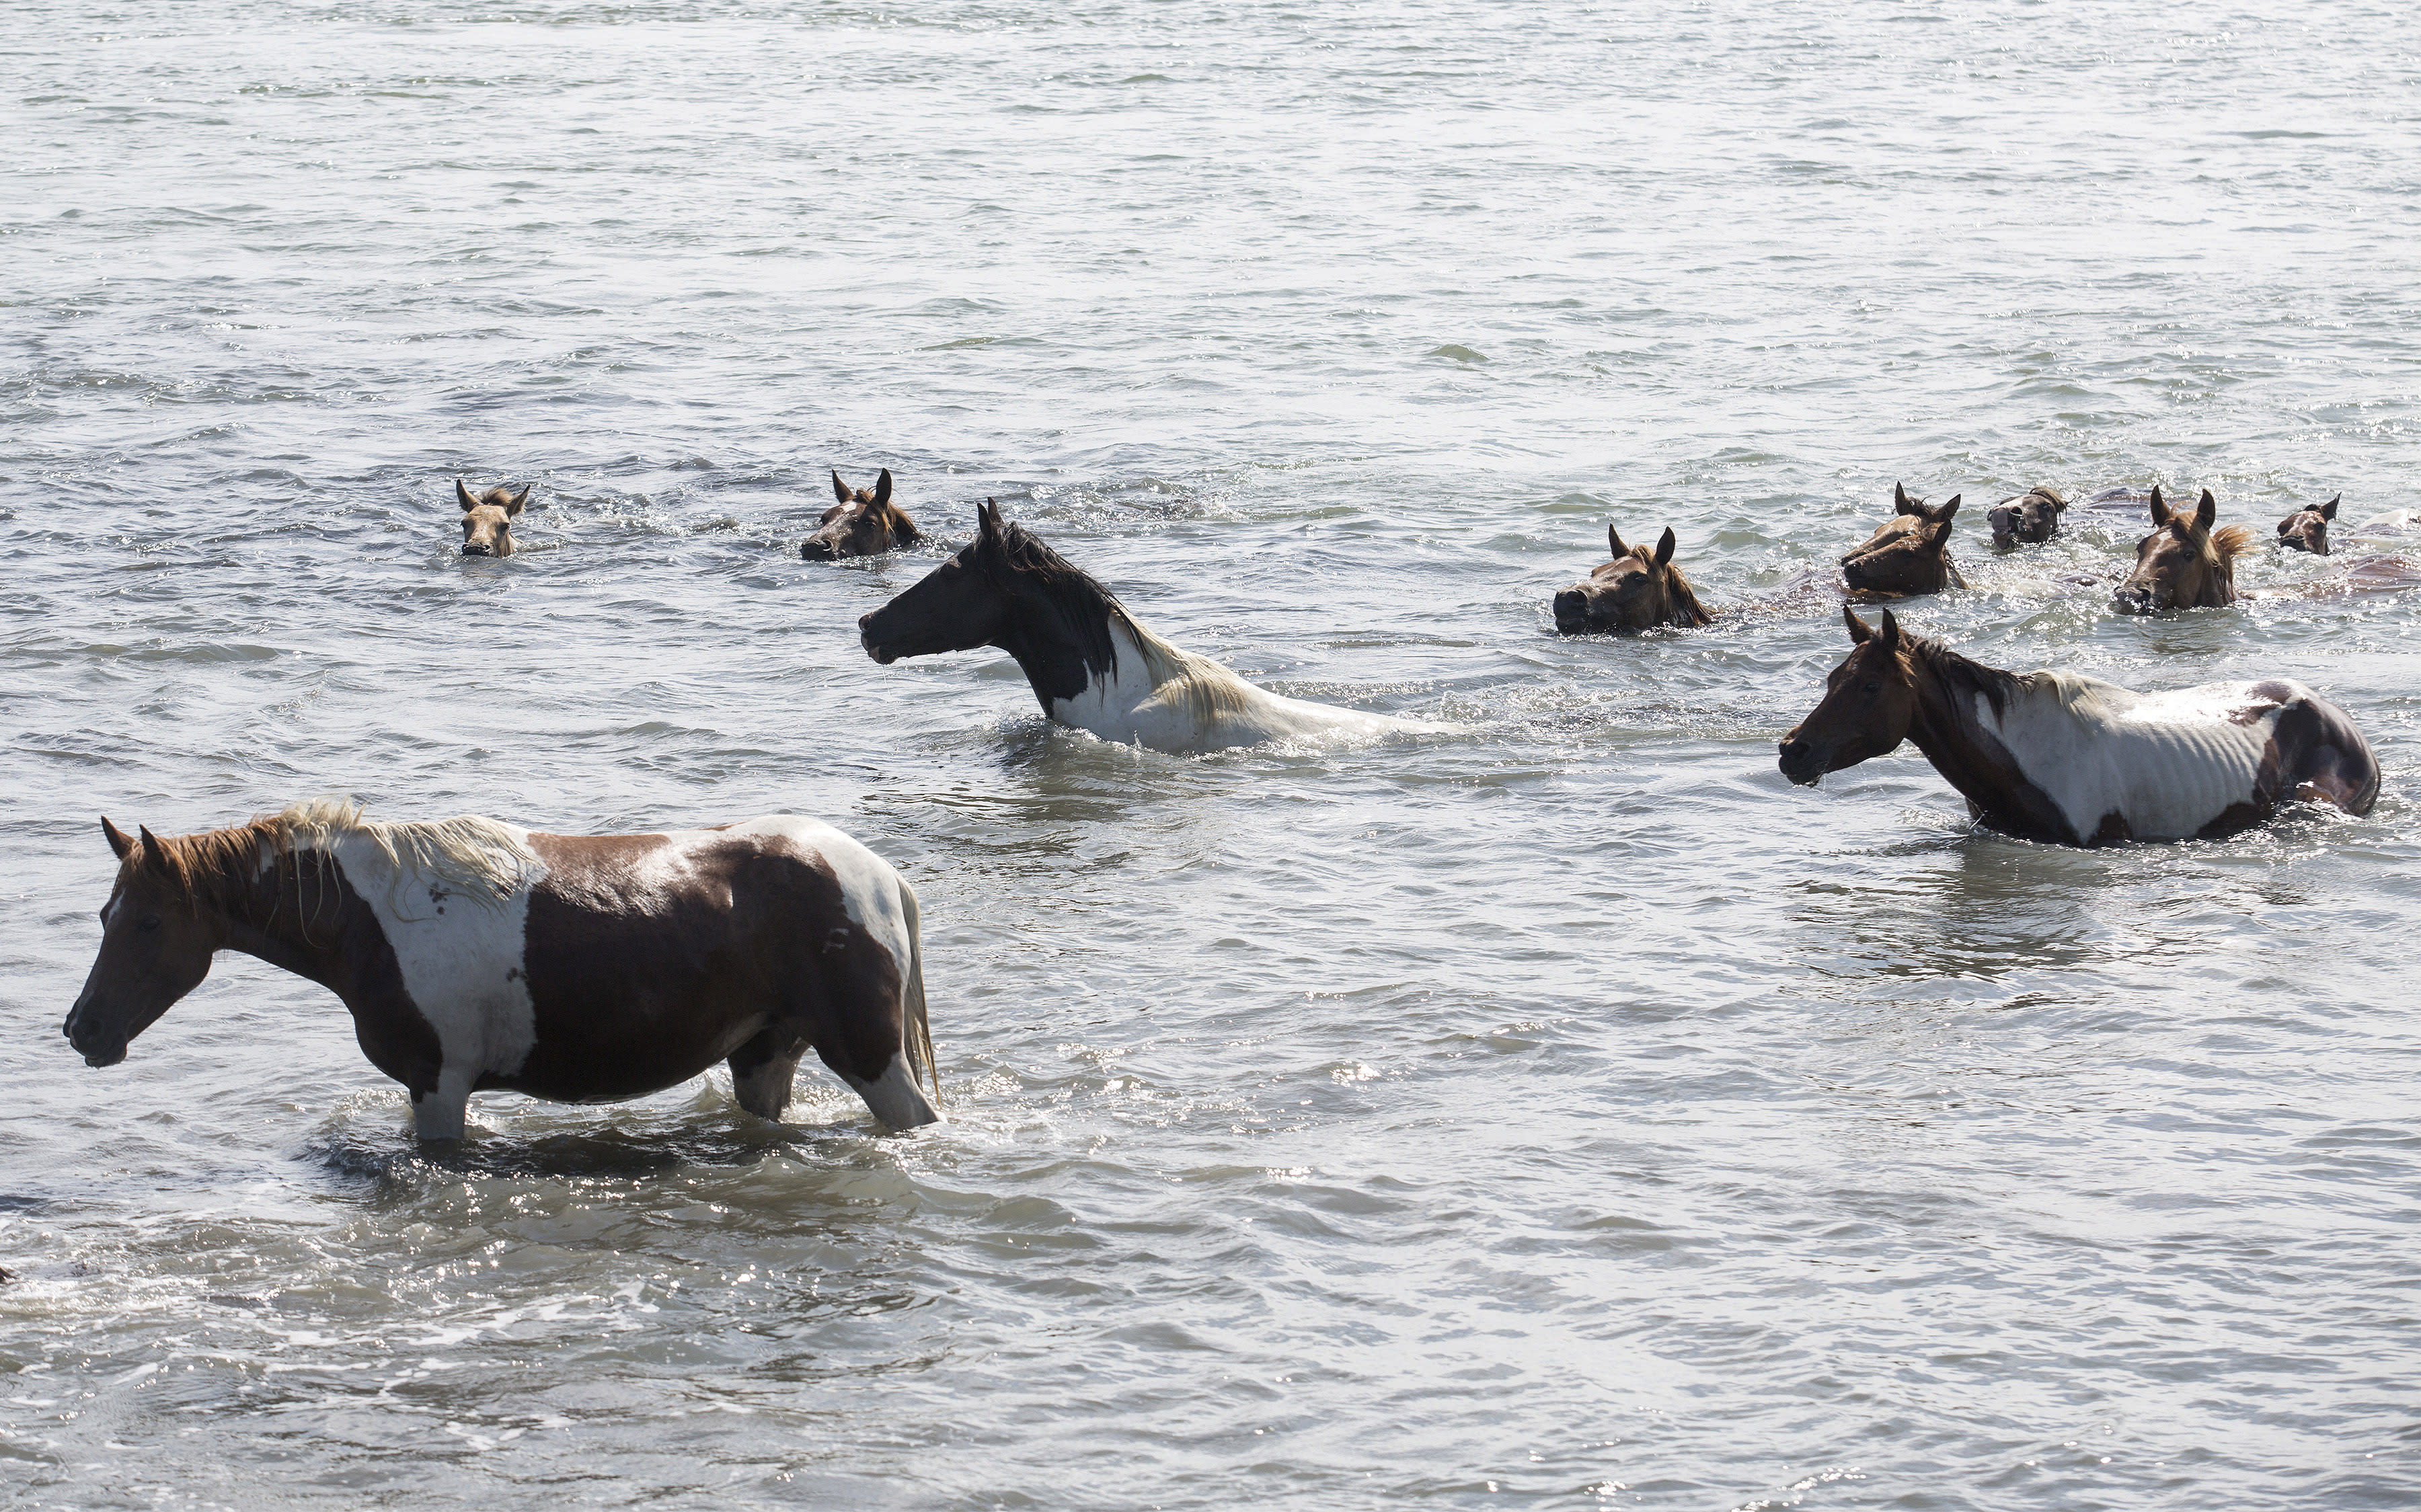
[
  {"x": 2071, "y": 760},
  {"x": 2030, "y": 518},
  {"x": 488, "y": 518},
  {"x": 1092, "y": 666},
  {"x": 864, "y": 522},
  {"x": 2307, "y": 530},
  {"x": 1908, "y": 553},
  {"x": 1639, "y": 589},
  {"x": 475, "y": 955},
  {"x": 2184, "y": 563}
]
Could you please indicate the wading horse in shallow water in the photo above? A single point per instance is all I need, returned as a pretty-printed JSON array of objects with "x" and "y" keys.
[
  {"x": 1638, "y": 590},
  {"x": 2069, "y": 760},
  {"x": 488, "y": 518},
  {"x": 2030, "y": 518},
  {"x": 863, "y": 523},
  {"x": 578, "y": 968},
  {"x": 1908, "y": 553},
  {"x": 1093, "y": 665},
  {"x": 2183, "y": 563},
  {"x": 2307, "y": 530}
]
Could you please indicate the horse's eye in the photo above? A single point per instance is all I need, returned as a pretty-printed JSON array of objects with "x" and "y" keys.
[
  {"x": 148, "y": 921},
  {"x": 1872, "y": 688}
]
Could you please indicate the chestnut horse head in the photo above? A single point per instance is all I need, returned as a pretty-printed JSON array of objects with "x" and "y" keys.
[
  {"x": 1910, "y": 553},
  {"x": 2307, "y": 530},
  {"x": 488, "y": 518},
  {"x": 2031, "y": 518},
  {"x": 159, "y": 930},
  {"x": 1870, "y": 702},
  {"x": 1638, "y": 590},
  {"x": 2184, "y": 563},
  {"x": 864, "y": 522}
]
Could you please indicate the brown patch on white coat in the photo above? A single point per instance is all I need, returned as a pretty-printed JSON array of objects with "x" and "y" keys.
[
  {"x": 1639, "y": 589},
  {"x": 2184, "y": 563},
  {"x": 864, "y": 522},
  {"x": 488, "y": 518},
  {"x": 2307, "y": 530},
  {"x": 1909, "y": 553},
  {"x": 2071, "y": 760},
  {"x": 617, "y": 966}
]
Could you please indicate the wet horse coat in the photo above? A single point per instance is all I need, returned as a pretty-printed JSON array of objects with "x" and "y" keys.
[
  {"x": 2052, "y": 757},
  {"x": 477, "y": 956}
]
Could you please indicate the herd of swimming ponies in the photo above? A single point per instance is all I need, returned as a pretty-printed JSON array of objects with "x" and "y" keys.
[{"x": 476, "y": 955}]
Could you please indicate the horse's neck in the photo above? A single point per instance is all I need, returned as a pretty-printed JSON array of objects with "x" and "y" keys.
[
  {"x": 296, "y": 914},
  {"x": 1948, "y": 730}
]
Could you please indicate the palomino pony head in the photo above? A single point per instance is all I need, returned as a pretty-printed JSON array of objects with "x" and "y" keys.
[
  {"x": 2031, "y": 518},
  {"x": 2184, "y": 563},
  {"x": 488, "y": 518},
  {"x": 1910, "y": 553},
  {"x": 1639, "y": 589},
  {"x": 2307, "y": 530},
  {"x": 864, "y": 522},
  {"x": 159, "y": 930},
  {"x": 1870, "y": 702}
]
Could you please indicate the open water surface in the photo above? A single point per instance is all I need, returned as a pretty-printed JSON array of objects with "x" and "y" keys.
[{"x": 1566, "y": 1114}]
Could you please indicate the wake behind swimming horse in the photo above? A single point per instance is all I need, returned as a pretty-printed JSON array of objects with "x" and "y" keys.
[
  {"x": 1093, "y": 665},
  {"x": 2071, "y": 760},
  {"x": 576, "y": 968}
]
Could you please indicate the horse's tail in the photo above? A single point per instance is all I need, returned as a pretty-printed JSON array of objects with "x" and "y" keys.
[{"x": 919, "y": 1031}]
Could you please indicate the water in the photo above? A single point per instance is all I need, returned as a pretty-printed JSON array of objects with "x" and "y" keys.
[{"x": 1570, "y": 1113}]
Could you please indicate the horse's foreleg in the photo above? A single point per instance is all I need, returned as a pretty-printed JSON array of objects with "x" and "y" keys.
[
  {"x": 438, "y": 1114},
  {"x": 761, "y": 1070}
]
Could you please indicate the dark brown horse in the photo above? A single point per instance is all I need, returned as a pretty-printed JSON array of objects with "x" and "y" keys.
[
  {"x": 2184, "y": 563},
  {"x": 1909, "y": 553},
  {"x": 863, "y": 523},
  {"x": 2071, "y": 760},
  {"x": 2307, "y": 530},
  {"x": 488, "y": 518},
  {"x": 1638, "y": 590},
  {"x": 475, "y": 955},
  {"x": 2030, "y": 518}
]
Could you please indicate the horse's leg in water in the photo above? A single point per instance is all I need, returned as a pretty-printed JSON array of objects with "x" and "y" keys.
[
  {"x": 438, "y": 1114},
  {"x": 762, "y": 1070}
]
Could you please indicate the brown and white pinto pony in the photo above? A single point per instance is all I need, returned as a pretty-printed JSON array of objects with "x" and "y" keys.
[
  {"x": 863, "y": 523},
  {"x": 2071, "y": 760},
  {"x": 476, "y": 955},
  {"x": 2184, "y": 563},
  {"x": 1909, "y": 553},
  {"x": 488, "y": 518},
  {"x": 2307, "y": 530},
  {"x": 1638, "y": 590}
]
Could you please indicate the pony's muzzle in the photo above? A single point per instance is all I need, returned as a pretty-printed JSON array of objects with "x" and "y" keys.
[
  {"x": 873, "y": 647},
  {"x": 476, "y": 548},
  {"x": 814, "y": 548},
  {"x": 1797, "y": 759},
  {"x": 97, "y": 1050},
  {"x": 1571, "y": 611}
]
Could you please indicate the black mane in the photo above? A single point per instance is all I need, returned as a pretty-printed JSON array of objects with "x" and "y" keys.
[
  {"x": 1020, "y": 564},
  {"x": 1963, "y": 676}
]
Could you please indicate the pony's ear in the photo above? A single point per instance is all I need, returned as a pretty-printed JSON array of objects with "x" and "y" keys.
[
  {"x": 1664, "y": 547},
  {"x": 1944, "y": 513},
  {"x": 2206, "y": 510},
  {"x": 2287, "y": 524},
  {"x": 155, "y": 855},
  {"x": 1614, "y": 539},
  {"x": 988, "y": 524},
  {"x": 2329, "y": 511},
  {"x": 840, "y": 490},
  {"x": 1860, "y": 631},
  {"x": 2160, "y": 508},
  {"x": 1891, "y": 631},
  {"x": 1902, "y": 504},
  {"x": 882, "y": 488},
  {"x": 520, "y": 500},
  {"x": 120, "y": 842},
  {"x": 463, "y": 495}
]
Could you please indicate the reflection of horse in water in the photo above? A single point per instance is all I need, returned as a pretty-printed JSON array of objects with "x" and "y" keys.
[
  {"x": 2052, "y": 757},
  {"x": 577, "y": 968}
]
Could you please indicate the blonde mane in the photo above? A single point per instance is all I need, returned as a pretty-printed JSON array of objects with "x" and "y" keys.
[
  {"x": 1202, "y": 686},
  {"x": 479, "y": 858}
]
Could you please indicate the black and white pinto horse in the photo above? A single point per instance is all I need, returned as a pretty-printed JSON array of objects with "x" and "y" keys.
[
  {"x": 1092, "y": 664},
  {"x": 477, "y": 955},
  {"x": 2071, "y": 760}
]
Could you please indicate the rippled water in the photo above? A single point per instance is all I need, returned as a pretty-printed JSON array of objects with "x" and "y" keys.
[{"x": 1567, "y": 1113}]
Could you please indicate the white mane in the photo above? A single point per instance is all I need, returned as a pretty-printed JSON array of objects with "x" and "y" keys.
[
  {"x": 481, "y": 859},
  {"x": 1204, "y": 687}
]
